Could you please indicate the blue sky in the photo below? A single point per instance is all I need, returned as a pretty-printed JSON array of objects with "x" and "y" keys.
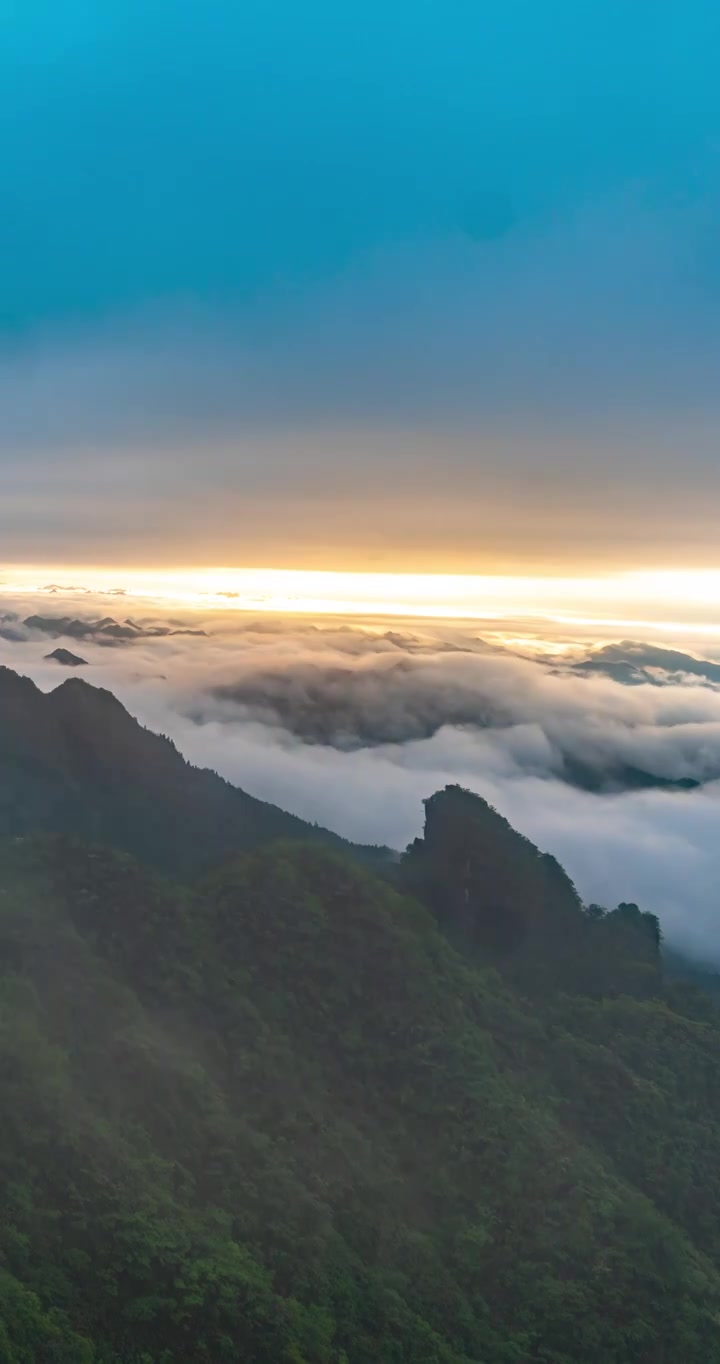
[{"x": 274, "y": 272}]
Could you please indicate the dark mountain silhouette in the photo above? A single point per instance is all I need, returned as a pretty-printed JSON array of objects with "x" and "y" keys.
[
  {"x": 483, "y": 877},
  {"x": 74, "y": 760},
  {"x": 105, "y": 631},
  {"x": 494, "y": 893},
  {"x": 67, "y": 659}
]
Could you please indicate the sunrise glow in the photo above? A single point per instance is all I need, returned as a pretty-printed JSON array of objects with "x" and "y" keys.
[{"x": 621, "y": 600}]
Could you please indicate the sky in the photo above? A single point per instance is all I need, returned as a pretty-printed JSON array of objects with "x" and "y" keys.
[{"x": 419, "y": 288}]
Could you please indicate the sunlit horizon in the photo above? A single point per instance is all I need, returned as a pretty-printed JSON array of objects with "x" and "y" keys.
[{"x": 671, "y": 600}]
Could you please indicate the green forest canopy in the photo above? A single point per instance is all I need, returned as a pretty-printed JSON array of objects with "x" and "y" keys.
[{"x": 299, "y": 1113}]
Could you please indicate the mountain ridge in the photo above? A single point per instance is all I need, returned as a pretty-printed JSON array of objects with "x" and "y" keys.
[
  {"x": 74, "y": 760},
  {"x": 104, "y": 631},
  {"x": 297, "y": 1112}
]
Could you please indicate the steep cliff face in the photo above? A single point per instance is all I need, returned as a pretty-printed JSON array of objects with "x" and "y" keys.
[
  {"x": 484, "y": 878},
  {"x": 493, "y": 892}
]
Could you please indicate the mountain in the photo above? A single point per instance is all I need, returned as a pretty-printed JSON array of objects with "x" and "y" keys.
[
  {"x": 484, "y": 878},
  {"x": 501, "y": 899},
  {"x": 633, "y": 663},
  {"x": 294, "y": 1116},
  {"x": 67, "y": 659},
  {"x": 73, "y": 760},
  {"x": 105, "y": 631}
]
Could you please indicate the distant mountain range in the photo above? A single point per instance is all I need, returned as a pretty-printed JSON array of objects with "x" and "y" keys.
[
  {"x": 104, "y": 631},
  {"x": 74, "y": 760},
  {"x": 633, "y": 664}
]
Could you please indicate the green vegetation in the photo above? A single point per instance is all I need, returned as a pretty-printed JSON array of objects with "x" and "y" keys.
[
  {"x": 291, "y": 1115},
  {"x": 74, "y": 761}
]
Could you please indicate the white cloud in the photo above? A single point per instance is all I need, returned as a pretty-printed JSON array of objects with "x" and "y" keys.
[{"x": 659, "y": 848}]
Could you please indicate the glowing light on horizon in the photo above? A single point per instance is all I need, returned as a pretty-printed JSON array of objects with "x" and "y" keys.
[{"x": 622, "y": 600}]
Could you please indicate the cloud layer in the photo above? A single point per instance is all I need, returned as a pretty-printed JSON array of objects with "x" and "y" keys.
[
  {"x": 354, "y": 726},
  {"x": 522, "y": 717}
]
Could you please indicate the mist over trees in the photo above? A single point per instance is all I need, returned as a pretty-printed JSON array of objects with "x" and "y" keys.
[{"x": 315, "y": 1109}]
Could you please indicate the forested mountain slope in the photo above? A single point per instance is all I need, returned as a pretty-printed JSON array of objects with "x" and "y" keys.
[
  {"x": 73, "y": 760},
  {"x": 292, "y": 1116}
]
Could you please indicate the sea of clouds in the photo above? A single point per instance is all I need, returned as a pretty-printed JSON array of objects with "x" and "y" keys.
[{"x": 353, "y": 724}]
